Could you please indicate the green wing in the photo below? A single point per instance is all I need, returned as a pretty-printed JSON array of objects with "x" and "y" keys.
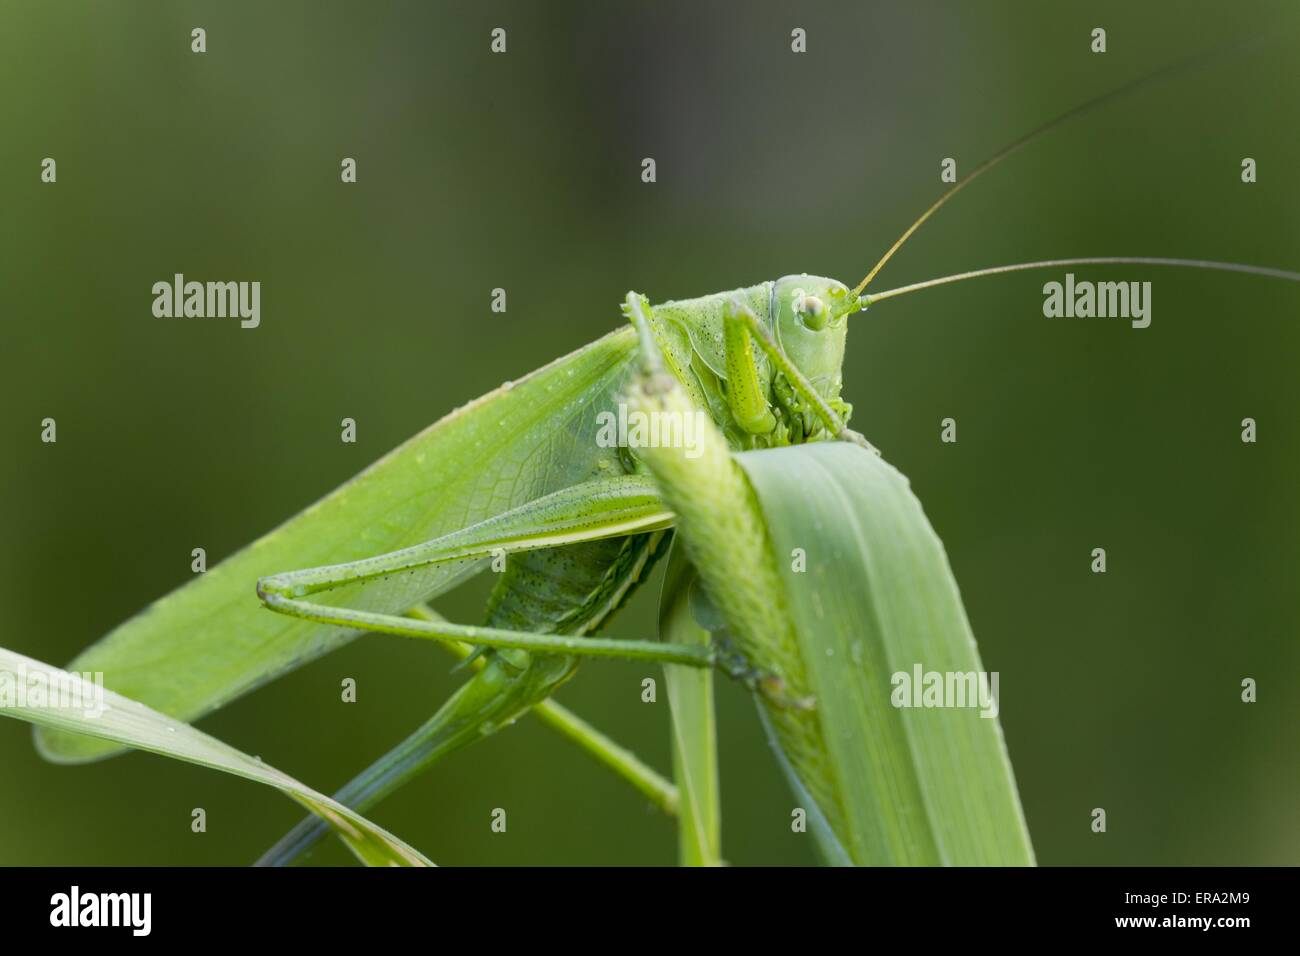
[{"x": 210, "y": 641}]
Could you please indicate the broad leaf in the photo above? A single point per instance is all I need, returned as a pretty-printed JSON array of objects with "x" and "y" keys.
[{"x": 872, "y": 598}]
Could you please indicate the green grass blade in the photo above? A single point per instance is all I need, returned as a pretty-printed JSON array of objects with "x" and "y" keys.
[
  {"x": 877, "y": 598},
  {"x": 125, "y": 721},
  {"x": 694, "y": 728}
]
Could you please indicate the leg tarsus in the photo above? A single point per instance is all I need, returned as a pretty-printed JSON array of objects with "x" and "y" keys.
[
  {"x": 857, "y": 438},
  {"x": 736, "y": 666}
]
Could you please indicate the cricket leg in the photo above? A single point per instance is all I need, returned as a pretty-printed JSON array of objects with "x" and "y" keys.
[
  {"x": 741, "y": 324},
  {"x": 603, "y": 508},
  {"x": 745, "y": 396},
  {"x": 505, "y": 689},
  {"x": 744, "y": 393},
  {"x": 598, "y": 509},
  {"x": 507, "y": 686},
  {"x": 526, "y": 667},
  {"x": 590, "y": 511},
  {"x": 554, "y": 644},
  {"x": 573, "y": 728}
]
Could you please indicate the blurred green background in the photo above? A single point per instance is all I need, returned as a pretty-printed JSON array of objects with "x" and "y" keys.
[{"x": 476, "y": 171}]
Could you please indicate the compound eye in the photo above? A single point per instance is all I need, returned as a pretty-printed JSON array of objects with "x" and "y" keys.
[{"x": 813, "y": 312}]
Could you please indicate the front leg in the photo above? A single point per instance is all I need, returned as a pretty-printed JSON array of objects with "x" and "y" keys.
[
  {"x": 741, "y": 324},
  {"x": 603, "y": 508},
  {"x": 745, "y": 395}
]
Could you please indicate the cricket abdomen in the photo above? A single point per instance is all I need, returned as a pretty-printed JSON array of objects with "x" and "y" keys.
[{"x": 571, "y": 589}]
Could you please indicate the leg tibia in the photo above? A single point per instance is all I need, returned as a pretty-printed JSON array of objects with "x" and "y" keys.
[{"x": 510, "y": 684}]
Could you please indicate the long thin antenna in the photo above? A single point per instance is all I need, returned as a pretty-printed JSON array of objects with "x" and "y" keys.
[
  {"x": 1196, "y": 60},
  {"x": 1089, "y": 261}
]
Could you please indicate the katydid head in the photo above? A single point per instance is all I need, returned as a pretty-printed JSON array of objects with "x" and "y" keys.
[{"x": 809, "y": 320}]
